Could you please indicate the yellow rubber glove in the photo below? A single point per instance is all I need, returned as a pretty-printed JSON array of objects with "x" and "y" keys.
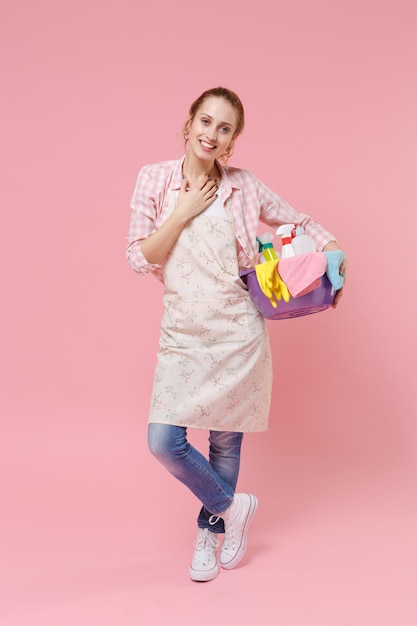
[{"x": 271, "y": 283}]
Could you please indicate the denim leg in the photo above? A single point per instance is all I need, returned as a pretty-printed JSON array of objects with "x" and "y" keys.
[
  {"x": 224, "y": 458},
  {"x": 170, "y": 446}
]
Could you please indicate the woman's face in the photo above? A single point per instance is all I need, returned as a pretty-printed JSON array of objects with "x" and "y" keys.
[{"x": 212, "y": 129}]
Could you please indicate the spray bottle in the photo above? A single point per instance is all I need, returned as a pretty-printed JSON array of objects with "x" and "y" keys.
[
  {"x": 302, "y": 243},
  {"x": 286, "y": 232},
  {"x": 266, "y": 247}
]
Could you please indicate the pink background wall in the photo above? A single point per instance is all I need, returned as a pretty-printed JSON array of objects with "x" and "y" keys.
[{"x": 90, "y": 92}]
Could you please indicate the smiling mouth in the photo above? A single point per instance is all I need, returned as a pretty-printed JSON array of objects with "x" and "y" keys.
[{"x": 206, "y": 145}]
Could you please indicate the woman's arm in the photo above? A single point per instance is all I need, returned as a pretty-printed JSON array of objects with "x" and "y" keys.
[
  {"x": 190, "y": 203},
  {"x": 275, "y": 211},
  {"x": 148, "y": 244}
]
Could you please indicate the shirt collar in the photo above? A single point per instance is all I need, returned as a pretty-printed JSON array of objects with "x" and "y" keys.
[{"x": 176, "y": 180}]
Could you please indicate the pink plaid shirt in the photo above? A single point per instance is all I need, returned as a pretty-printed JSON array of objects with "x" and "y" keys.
[{"x": 250, "y": 200}]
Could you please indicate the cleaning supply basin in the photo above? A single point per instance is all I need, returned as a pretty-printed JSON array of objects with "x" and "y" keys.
[{"x": 315, "y": 301}]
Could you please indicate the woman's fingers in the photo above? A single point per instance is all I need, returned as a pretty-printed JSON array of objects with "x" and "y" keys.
[
  {"x": 337, "y": 297},
  {"x": 206, "y": 184}
]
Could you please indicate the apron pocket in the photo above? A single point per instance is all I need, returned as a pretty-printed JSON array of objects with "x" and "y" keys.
[{"x": 210, "y": 321}]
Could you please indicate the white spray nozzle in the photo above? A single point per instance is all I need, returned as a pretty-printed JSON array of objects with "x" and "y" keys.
[
  {"x": 287, "y": 233},
  {"x": 285, "y": 230}
]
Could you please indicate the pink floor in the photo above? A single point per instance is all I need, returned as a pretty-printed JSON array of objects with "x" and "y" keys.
[{"x": 84, "y": 541}]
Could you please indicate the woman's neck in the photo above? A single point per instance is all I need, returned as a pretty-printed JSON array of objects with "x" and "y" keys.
[{"x": 193, "y": 169}]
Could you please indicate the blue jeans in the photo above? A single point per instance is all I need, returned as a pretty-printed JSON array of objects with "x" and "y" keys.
[{"x": 213, "y": 481}]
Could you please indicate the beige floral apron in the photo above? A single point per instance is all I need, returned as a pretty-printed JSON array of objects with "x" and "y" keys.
[{"x": 214, "y": 364}]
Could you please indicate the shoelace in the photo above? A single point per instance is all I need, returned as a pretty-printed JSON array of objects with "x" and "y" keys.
[
  {"x": 230, "y": 540},
  {"x": 203, "y": 542},
  {"x": 200, "y": 543}
]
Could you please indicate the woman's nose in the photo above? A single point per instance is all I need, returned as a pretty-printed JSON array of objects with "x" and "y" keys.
[{"x": 211, "y": 133}]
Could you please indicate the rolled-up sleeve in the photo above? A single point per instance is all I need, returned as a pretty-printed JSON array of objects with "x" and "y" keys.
[{"x": 142, "y": 222}]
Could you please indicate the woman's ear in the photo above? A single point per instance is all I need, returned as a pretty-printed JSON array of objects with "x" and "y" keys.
[
  {"x": 229, "y": 150},
  {"x": 186, "y": 131}
]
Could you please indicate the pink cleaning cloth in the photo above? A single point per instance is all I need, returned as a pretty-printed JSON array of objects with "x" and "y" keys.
[{"x": 302, "y": 273}]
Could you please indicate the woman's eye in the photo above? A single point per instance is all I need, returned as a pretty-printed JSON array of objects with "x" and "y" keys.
[
  {"x": 225, "y": 129},
  {"x": 205, "y": 121}
]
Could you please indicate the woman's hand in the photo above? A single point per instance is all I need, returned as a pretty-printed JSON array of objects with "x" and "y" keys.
[
  {"x": 190, "y": 203},
  {"x": 332, "y": 245},
  {"x": 193, "y": 201}
]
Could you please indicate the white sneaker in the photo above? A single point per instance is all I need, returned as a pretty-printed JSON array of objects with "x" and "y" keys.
[
  {"x": 204, "y": 565},
  {"x": 236, "y": 523}
]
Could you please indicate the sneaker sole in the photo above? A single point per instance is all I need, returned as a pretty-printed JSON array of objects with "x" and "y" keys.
[{"x": 241, "y": 552}]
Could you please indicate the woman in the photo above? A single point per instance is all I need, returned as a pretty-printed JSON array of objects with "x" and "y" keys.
[{"x": 194, "y": 223}]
